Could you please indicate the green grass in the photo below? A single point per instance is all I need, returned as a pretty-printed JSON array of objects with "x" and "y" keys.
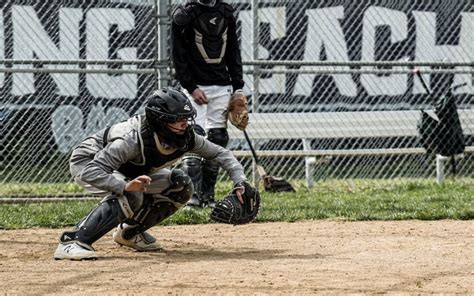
[
  {"x": 352, "y": 200},
  {"x": 39, "y": 189}
]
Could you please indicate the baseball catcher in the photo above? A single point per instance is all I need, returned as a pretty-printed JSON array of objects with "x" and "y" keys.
[
  {"x": 128, "y": 164},
  {"x": 238, "y": 208}
]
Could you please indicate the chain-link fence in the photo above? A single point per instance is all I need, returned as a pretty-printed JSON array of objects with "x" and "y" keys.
[{"x": 69, "y": 68}]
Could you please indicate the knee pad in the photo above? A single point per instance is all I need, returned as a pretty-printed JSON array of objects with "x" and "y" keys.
[
  {"x": 159, "y": 181},
  {"x": 218, "y": 136},
  {"x": 180, "y": 191},
  {"x": 182, "y": 188},
  {"x": 179, "y": 178}
]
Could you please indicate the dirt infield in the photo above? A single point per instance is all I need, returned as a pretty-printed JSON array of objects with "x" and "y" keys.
[{"x": 313, "y": 257}]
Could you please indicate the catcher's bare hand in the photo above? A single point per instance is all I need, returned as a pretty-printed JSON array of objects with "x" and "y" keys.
[
  {"x": 199, "y": 96},
  {"x": 239, "y": 192},
  {"x": 138, "y": 184}
]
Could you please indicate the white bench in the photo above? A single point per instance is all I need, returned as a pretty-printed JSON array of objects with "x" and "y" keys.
[{"x": 333, "y": 125}]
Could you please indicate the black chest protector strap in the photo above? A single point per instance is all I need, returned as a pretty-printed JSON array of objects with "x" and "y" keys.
[{"x": 153, "y": 157}]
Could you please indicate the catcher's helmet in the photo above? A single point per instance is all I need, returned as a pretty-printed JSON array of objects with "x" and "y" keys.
[
  {"x": 169, "y": 105},
  {"x": 209, "y": 3}
]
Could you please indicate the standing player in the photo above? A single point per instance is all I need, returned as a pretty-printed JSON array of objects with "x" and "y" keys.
[
  {"x": 206, "y": 56},
  {"x": 127, "y": 163}
]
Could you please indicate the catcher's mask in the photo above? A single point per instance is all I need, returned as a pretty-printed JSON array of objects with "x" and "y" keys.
[{"x": 169, "y": 105}]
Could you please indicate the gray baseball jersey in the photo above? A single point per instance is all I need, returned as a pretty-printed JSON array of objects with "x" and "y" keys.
[{"x": 96, "y": 164}]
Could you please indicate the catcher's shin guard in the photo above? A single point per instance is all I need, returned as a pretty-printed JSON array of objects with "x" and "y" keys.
[
  {"x": 103, "y": 218},
  {"x": 111, "y": 211},
  {"x": 150, "y": 215},
  {"x": 158, "y": 207},
  {"x": 192, "y": 166},
  {"x": 210, "y": 169}
]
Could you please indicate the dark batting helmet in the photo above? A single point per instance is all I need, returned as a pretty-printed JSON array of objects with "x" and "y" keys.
[
  {"x": 209, "y": 3},
  {"x": 169, "y": 105}
]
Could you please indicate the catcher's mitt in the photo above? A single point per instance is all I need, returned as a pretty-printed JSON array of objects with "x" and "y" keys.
[
  {"x": 231, "y": 211},
  {"x": 237, "y": 111}
]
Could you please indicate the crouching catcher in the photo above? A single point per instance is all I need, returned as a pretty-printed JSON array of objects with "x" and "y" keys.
[{"x": 128, "y": 164}]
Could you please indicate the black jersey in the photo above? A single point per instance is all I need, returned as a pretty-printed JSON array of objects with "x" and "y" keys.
[{"x": 205, "y": 47}]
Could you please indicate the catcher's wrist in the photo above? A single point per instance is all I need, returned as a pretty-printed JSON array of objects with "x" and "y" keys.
[
  {"x": 239, "y": 185},
  {"x": 192, "y": 89}
]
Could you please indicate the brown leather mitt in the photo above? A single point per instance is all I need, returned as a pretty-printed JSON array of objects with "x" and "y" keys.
[{"x": 237, "y": 111}]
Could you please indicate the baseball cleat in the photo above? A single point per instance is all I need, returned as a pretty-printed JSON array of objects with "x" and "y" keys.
[
  {"x": 142, "y": 242},
  {"x": 74, "y": 250}
]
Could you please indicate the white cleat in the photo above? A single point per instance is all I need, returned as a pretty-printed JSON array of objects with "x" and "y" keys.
[
  {"x": 143, "y": 242},
  {"x": 74, "y": 250}
]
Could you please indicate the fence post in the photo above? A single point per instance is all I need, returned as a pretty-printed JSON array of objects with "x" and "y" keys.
[
  {"x": 162, "y": 39},
  {"x": 255, "y": 81},
  {"x": 310, "y": 163},
  {"x": 440, "y": 161}
]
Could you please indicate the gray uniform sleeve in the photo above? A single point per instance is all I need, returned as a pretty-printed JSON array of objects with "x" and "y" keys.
[
  {"x": 224, "y": 158},
  {"x": 98, "y": 172}
]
